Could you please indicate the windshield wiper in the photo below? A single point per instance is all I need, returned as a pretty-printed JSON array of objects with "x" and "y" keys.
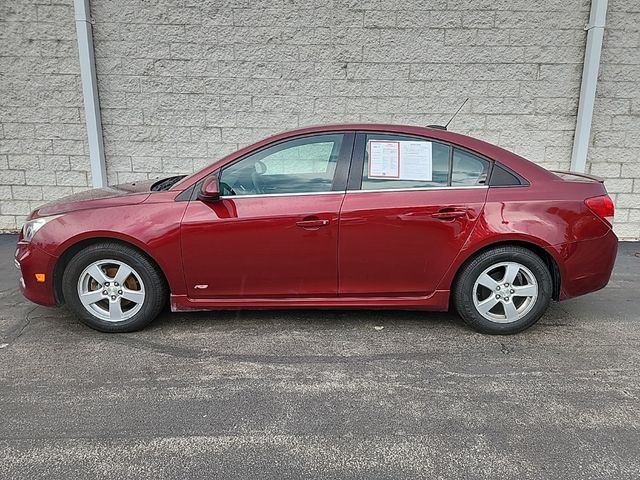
[{"x": 166, "y": 183}]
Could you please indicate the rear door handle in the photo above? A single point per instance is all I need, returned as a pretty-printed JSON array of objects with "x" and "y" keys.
[
  {"x": 449, "y": 214},
  {"x": 316, "y": 223}
]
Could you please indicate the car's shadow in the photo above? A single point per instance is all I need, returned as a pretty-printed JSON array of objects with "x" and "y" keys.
[
  {"x": 303, "y": 319},
  {"x": 177, "y": 328}
]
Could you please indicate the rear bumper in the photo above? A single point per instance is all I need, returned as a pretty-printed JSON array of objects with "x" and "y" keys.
[
  {"x": 31, "y": 260},
  {"x": 586, "y": 266}
]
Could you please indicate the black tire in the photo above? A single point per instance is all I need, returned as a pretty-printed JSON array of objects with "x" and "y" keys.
[
  {"x": 155, "y": 288},
  {"x": 463, "y": 291}
]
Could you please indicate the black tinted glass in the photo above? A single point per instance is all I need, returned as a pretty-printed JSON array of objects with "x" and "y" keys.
[{"x": 502, "y": 177}]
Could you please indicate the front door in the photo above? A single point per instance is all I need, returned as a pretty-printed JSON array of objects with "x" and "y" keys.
[
  {"x": 274, "y": 232},
  {"x": 406, "y": 214}
]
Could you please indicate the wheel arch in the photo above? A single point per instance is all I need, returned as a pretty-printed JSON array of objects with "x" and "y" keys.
[
  {"x": 71, "y": 249},
  {"x": 535, "y": 248}
]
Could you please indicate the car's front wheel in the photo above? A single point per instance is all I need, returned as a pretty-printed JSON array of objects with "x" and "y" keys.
[
  {"x": 503, "y": 290},
  {"x": 113, "y": 287}
]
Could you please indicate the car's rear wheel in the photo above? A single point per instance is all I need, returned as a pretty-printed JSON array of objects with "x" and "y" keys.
[
  {"x": 503, "y": 290},
  {"x": 113, "y": 287}
]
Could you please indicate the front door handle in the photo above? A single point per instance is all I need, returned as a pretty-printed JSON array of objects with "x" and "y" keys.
[
  {"x": 449, "y": 214},
  {"x": 312, "y": 223}
]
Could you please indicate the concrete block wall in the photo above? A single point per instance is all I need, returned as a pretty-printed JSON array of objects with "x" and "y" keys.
[
  {"x": 43, "y": 152},
  {"x": 614, "y": 152},
  {"x": 184, "y": 82}
]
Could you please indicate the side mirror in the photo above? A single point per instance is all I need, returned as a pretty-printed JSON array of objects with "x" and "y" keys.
[{"x": 210, "y": 191}]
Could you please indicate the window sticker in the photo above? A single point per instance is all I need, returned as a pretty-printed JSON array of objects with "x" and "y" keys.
[
  {"x": 403, "y": 160},
  {"x": 384, "y": 159},
  {"x": 416, "y": 161}
]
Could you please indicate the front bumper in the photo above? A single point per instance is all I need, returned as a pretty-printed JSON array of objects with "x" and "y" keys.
[
  {"x": 586, "y": 265},
  {"x": 30, "y": 259}
]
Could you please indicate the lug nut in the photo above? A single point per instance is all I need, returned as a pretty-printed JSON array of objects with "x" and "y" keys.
[
  {"x": 506, "y": 284},
  {"x": 512, "y": 291},
  {"x": 497, "y": 297},
  {"x": 104, "y": 292},
  {"x": 506, "y": 299},
  {"x": 119, "y": 292},
  {"x": 498, "y": 287},
  {"x": 115, "y": 283},
  {"x": 113, "y": 297},
  {"x": 106, "y": 284}
]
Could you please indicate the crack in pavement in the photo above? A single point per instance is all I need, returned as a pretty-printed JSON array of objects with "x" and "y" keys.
[{"x": 16, "y": 336}]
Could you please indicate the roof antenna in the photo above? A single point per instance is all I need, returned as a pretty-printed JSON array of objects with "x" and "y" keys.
[{"x": 441, "y": 127}]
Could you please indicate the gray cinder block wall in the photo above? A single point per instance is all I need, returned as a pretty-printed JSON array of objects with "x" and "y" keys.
[
  {"x": 182, "y": 83},
  {"x": 42, "y": 133}
]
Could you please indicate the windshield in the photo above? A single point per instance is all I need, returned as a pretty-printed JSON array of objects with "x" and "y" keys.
[{"x": 186, "y": 178}]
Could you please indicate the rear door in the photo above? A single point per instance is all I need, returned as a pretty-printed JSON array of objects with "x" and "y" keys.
[{"x": 407, "y": 212}]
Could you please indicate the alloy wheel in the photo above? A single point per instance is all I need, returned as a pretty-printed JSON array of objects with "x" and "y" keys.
[
  {"x": 505, "y": 292},
  {"x": 111, "y": 290}
]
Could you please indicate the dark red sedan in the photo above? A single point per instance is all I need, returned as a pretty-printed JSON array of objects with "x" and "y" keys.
[{"x": 343, "y": 216}]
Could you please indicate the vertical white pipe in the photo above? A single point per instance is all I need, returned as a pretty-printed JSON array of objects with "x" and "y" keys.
[
  {"x": 90, "y": 93},
  {"x": 595, "y": 33}
]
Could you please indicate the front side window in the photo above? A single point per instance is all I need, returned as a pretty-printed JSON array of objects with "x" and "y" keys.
[
  {"x": 400, "y": 162},
  {"x": 301, "y": 165}
]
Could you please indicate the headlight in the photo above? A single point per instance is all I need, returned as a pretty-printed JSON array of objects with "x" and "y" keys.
[{"x": 32, "y": 226}]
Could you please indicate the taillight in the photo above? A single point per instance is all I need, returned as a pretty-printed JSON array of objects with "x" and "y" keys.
[{"x": 602, "y": 206}]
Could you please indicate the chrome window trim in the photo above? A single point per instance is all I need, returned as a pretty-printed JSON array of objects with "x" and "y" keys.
[
  {"x": 419, "y": 189},
  {"x": 299, "y": 194},
  {"x": 342, "y": 192},
  {"x": 511, "y": 186}
]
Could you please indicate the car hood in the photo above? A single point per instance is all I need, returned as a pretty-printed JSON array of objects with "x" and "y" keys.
[{"x": 124, "y": 194}]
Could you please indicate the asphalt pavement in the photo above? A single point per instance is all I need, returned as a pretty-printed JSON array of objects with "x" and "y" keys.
[{"x": 323, "y": 394}]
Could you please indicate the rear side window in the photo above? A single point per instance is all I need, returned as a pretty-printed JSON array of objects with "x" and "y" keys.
[
  {"x": 394, "y": 162},
  {"x": 468, "y": 169},
  {"x": 400, "y": 162}
]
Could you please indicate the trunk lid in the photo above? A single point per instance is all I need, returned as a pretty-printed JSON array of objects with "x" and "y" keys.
[{"x": 576, "y": 177}]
